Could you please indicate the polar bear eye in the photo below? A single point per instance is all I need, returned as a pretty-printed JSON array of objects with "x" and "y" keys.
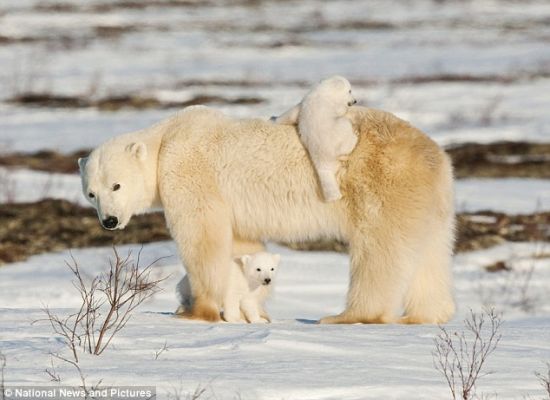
[
  {"x": 258, "y": 269},
  {"x": 91, "y": 195},
  {"x": 116, "y": 187},
  {"x": 273, "y": 269}
]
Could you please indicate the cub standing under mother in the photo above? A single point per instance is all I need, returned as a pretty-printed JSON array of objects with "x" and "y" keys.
[{"x": 228, "y": 184}]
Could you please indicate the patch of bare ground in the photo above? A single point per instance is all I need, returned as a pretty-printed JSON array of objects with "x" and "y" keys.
[
  {"x": 501, "y": 159},
  {"x": 105, "y": 7},
  {"x": 45, "y": 160},
  {"x": 541, "y": 73},
  {"x": 50, "y": 42},
  {"x": 114, "y": 103},
  {"x": 475, "y": 231},
  {"x": 53, "y": 225},
  {"x": 19, "y": 39}
]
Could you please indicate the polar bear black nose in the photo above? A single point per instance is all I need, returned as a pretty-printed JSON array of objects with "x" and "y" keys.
[
  {"x": 110, "y": 222},
  {"x": 267, "y": 281}
]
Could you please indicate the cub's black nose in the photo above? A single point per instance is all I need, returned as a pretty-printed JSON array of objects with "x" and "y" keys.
[
  {"x": 110, "y": 222},
  {"x": 267, "y": 281}
]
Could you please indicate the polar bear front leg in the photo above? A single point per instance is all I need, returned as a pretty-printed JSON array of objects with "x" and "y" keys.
[
  {"x": 231, "y": 309},
  {"x": 264, "y": 315},
  {"x": 200, "y": 225},
  {"x": 249, "y": 306}
]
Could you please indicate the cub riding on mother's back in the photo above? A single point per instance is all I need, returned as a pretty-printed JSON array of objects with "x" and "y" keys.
[
  {"x": 324, "y": 129},
  {"x": 228, "y": 184}
]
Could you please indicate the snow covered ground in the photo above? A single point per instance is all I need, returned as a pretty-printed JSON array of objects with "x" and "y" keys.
[
  {"x": 293, "y": 358},
  {"x": 461, "y": 71}
]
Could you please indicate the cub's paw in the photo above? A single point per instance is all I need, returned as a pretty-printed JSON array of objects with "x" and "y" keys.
[{"x": 259, "y": 321}]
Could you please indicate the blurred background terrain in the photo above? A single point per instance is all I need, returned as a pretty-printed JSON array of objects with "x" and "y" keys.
[{"x": 474, "y": 75}]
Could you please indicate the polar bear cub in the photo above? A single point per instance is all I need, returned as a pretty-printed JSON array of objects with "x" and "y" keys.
[
  {"x": 324, "y": 130},
  {"x": 249, "y": 284}
]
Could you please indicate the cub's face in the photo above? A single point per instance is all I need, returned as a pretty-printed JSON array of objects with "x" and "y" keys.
[
  {"x": 338, "y": 91},
  {"x": 113, "y": 181},
  {"x": 260, "y": 268}
]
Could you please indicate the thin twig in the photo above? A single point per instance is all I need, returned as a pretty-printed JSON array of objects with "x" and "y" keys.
[{"x": 460, "y": 356}]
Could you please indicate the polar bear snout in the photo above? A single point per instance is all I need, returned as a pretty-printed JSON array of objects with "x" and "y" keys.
[
  {"x": 110, "y": 222},
  {"x": 267, "y": 281},
  {"x": 352, "y": 102}
]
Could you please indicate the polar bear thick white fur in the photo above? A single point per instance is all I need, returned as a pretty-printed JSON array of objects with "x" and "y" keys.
[
  {"x": 228, "y": 184},
  {"x": 250, "y": 281},
  {"x": 324, "y": 129}
]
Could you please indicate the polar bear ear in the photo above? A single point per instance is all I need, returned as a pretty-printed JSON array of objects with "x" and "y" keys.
[
  {"x": 338, "y": 83},
  {"x": 82, "y": 163},
  {"x": 138, "y": 150},
  {"x": 245, "y": 259}
]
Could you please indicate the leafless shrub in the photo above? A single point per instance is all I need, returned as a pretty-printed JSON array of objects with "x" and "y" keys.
[
  {"x": 107, "y": 303},
  {"x": 544, "y": 380},
  {"x": 52, "y": 372},
  {"x": 487, "y": 112},
  {"x": 460, "y": 356},
  {"x": 161, "y": 350},
  {"x": 513, "y": 288},
  {"x": 2, "y": 368},
  {"x": 179, "y": 393}
]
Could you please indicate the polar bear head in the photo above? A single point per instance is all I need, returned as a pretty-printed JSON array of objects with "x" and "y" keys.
[
  {"x": 260, "y": 268},
  {"x": 116, "y": 181},
  {"x": 337, "y": 91}
]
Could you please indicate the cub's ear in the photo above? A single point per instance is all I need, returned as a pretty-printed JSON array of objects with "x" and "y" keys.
[
  {"x": 82, "y": 163},
  {"x": 277, "y": 258},
  {"x": 138, "y": 150},
  {"x": 338, "y": 83},
  {"x": 245, "y": 259}
]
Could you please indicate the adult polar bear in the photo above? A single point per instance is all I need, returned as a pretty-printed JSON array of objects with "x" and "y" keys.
[{"x": 227, "y": 184}]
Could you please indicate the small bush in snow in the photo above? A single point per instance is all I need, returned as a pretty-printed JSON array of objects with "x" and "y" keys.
[
  {"x": 107, "y": 303},
  {"x": 461, "y": 356},
  {"x": 545, "y": 380}
]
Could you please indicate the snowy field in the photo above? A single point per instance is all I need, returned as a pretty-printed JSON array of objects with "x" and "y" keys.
[
  {"x": 464, "y": 71},
  {"x": 293, "y": 358}
]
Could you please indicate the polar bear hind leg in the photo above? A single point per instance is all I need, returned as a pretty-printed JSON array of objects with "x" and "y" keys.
[
  {"x": 327, "y": 179},
  {"x": 400, "y": 240},
  {"x": 429, "y": 298}
]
